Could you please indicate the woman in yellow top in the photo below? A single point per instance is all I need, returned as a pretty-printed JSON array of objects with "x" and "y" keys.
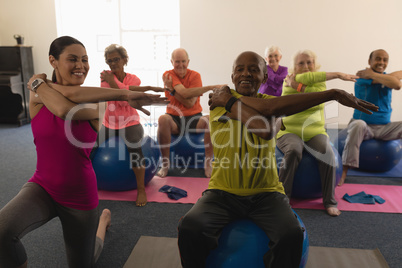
[{"x": 307, "y": 129}]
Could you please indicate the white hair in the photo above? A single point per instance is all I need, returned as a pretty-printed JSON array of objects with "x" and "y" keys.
[
  {"x": 271, "y": 49},
  {"x": 309, "y": 53}
]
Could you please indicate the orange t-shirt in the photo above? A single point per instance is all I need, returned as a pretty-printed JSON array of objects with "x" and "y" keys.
[{"x": 175, "y": 107}]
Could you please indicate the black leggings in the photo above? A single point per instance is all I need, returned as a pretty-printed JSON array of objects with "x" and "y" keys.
[
  {"x": 31, "y": 208},
  {"x": 200, "y": 228}
]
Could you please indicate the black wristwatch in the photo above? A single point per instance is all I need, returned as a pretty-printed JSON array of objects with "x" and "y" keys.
[
  {"x": 36, "y": 83},
  {"x": 229, "y": 104}
]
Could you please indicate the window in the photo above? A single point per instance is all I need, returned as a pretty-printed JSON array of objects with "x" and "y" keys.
[{"x": 149, "y": 30}]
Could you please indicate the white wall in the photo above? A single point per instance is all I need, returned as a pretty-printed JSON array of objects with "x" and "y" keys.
[
  {"x": 341, "y": 32},
  {"x": 214, "y": 32},
  {"x": 36, "y": 21}
]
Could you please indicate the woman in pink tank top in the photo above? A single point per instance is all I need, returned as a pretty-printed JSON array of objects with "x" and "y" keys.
[
  {"x": 65, "y": 121},
  {"x": 121, "y": 119}
]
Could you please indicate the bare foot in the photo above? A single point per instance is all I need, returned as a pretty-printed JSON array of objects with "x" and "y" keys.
[
  {"x": 208, "y": 167},
  {"x": 106, "y": 218},
  {"x": 141, "y": 198},
  {"x": 333, "y": 211},
  {"x": 163, "y": 172},
  {"x": 105, "y": 221},
  {"x": 165, "y": 167}
]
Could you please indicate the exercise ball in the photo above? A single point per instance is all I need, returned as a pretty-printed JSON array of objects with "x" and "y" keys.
[
  {"x": 187, "y": 150},
  {"x": 375, "y": 155},
  {"x": 307, "y": 181},
  {"x": 112, "y": 164},
  {"x": 243, "y": 244}
]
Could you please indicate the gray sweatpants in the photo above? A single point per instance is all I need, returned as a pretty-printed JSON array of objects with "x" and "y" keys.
[
  {"x": 31, "y": 208},
  {"x": 292, "y": 147},
  {"x": 359, "y": 130}
]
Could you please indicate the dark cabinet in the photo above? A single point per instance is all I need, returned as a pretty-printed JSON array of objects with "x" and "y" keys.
[{"x": 16, "y": 68}]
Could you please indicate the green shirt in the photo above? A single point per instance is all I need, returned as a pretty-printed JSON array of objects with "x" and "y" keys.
[
  {"x": 244, "y": 164},
  {"x": 310, "y": 122}
]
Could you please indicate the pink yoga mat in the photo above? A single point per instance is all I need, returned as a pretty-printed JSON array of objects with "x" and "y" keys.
[
  {"x": 193, "y": 186},
  {"x": 391, "y": 193}
]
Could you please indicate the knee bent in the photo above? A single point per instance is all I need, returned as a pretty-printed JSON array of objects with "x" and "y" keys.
[
  {"x": 12, "y": 252},
  {"x": 295, "y": 152},
  {"x": 191, "y": 226},
  {"x": 293, "y": 234},
  {"x": 164, "y": 119},
  {"x": 357, "y": 125}
]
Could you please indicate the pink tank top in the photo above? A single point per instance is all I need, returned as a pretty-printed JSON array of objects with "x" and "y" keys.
[
  {"x": 119, "y": 114},
  {"x": 63, "y": 166}
]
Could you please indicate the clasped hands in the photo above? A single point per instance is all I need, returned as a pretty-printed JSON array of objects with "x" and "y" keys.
[
  {"x": 139, "y": 99},
  {"x": 219, "y": 97},
  {"x": 135, "y": 99}
]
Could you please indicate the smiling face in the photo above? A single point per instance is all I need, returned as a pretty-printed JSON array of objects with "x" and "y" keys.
[
  {"x": 249, "y": 72},
  {"x": 304, "y": 63},
  {"x": 116, "y": 62},
  {"x": 273, "y": 59},
  {"x": 72, "y": 66},
  {"x": 180, "y": 62},
  {"x": 379, "y": 60}
]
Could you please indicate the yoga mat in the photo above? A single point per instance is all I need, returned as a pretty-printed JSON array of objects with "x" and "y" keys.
[
  {"x": 396, "y": 172},
  {"x": 154, "y": 252},
  {"x": 193, "y": 186},
  {"x": 391, "y": 193},
  {"x": 162, "y": 252},
  {"x": 345, "y": 258}
]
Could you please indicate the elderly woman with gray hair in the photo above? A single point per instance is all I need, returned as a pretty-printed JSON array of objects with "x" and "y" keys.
[
  {"x": 307, "y": 128},
  {"x": 276, "y": 73},
  {"x": 121, "y": 119}
]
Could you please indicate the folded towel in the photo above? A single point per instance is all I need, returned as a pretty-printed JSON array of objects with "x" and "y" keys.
[
  {"x": 173, "y": 192},
  {"x": 363, "y": 198}
]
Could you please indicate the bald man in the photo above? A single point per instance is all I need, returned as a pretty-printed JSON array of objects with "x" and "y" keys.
[
  {"x": 244, "y": 182},
  {"x": 374, "y": 86},
  {"x": 183, "y": 114}
]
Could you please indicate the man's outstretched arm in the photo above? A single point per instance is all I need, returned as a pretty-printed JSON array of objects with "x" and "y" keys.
[
  {"x": 292, "y": 104},
  {"x": 184, "y": 92},
  {"x": 295, "y": 103},
  {"x": 388, "y": 80}
]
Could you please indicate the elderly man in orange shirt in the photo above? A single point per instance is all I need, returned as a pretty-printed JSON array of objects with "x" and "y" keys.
[{"x": 183, "y": 114}]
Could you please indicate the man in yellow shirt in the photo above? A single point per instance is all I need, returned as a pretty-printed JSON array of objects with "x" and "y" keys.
[{"x": 244, "y": 181}]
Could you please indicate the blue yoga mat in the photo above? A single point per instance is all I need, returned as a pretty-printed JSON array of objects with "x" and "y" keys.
[{"x": 396, "y": 172}]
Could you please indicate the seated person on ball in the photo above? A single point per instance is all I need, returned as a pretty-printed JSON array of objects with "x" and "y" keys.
[
  {"x": 276, "y": 72},
  {"x": 306, "y": 130},
  {"x": 374, "y": 86},
  {"x": 244, "y": 181},
  {"x": 183, "y": 113},
  {"x": 120, "y": 118}
]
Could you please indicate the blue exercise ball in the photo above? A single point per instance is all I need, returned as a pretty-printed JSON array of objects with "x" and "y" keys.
[
  {"x": 187, "y": 150},
  {"x": 375, "y": 155},
  {"x": 307, "y": 181},
  {"x": 112, "y": 164},
  {"x": 243, "y": 244}
]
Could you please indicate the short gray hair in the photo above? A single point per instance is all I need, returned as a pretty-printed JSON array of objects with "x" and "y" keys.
[
  {"x": 309, "y": 53},
  {"x": 269, "y": 50},
  {"x": 120, "y": 49}
]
